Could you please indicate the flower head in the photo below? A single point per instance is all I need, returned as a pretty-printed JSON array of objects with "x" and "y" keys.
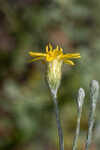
[
  {"x": 55, "y": 58},
  {"x": 52, "y": 54}
]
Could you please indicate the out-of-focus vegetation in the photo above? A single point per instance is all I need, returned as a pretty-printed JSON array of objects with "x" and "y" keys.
[{"x": 27, "y": 119}]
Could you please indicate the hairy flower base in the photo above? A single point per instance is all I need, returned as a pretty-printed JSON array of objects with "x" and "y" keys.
[{"x": 54, "y": 74}]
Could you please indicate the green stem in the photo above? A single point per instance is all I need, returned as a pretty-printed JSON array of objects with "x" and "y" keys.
[
  {"x": 60, "y": 133},
  {"x": 80, "y": 100},
  {"x": 77, "y": 131}
]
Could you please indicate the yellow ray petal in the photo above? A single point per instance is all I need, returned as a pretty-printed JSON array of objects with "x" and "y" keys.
[
  {"x": 37, "y": 58},
  {"x": 33, "y": 54},
  {"x": 57, "y": 48},
  {"x": 47, "y": 49},
  {"x": 77, "y": 55},
  {"x": 61, "y": 49},
  {"x": 69, "y": 62},
  {"x": 48, "y": 58},
  {"x": 50, "y": 46}
]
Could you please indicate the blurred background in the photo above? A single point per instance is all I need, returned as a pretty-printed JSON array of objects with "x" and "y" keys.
[{"x": 27, "y": 119}]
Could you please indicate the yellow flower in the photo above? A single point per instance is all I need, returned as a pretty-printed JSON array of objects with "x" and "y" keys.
[
  {"x": 55, "y": 59},
  {"x": 54, "y": 54}
]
